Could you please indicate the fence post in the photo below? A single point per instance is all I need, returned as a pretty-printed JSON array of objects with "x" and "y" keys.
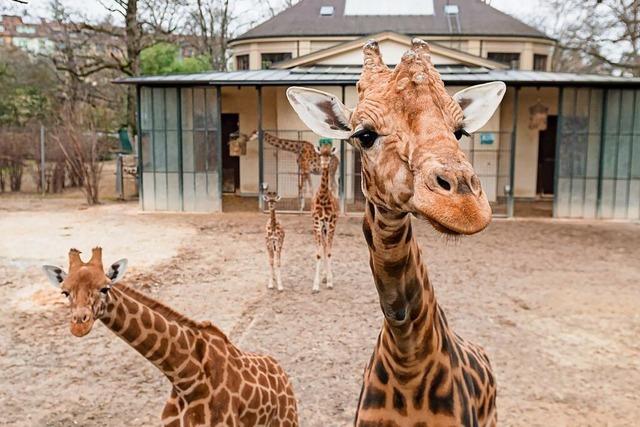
[
  {"x": 120, "y": 176},
  {"x": 42, "y": 162},
  {"x": 341, "y": 183}
]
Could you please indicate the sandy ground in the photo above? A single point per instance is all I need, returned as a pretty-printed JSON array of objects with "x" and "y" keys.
[{"x": 554, "y": 303}]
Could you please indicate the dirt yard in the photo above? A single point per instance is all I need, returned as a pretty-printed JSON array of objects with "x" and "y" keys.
[{"x": 556, "y": 305}]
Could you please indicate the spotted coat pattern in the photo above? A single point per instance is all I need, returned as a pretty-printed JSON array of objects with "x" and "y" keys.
[
  {"x": 213, "y": 382},
  {"x": 324, "y": 212},
  {"x": 308, "y": 162},
  {"x": 421, "y": 373},
  {"x": 274, "y": 239}
]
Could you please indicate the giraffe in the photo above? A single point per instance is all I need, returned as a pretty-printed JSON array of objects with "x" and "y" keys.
[
  {"x": 324, "y": 211},
  {"x": 213, "y": 382},
  {"x": 274, "y": 238},
  {"x": 308, "y": 161},
  {"x": 405, "y": 126}
]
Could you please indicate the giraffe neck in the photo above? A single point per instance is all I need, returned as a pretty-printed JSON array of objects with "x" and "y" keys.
[
  {"x": 165, "y": 338},
  {"x": 272, "y": 216},
  {"x": 324, "y": 180},
  {"x": 283, "y": 144},
  {"x": 406, "y": 296}
]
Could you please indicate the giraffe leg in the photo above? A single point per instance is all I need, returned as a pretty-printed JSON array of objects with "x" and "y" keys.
[
  {"x": 301, "y": 182},
  {"x": 278, "y": 276},
  {"x": 271, "y": 265},
  {"x": 316, "y": 280},
  {"x": 327, "y": 267},
  {"x": 327, "y": 251}
]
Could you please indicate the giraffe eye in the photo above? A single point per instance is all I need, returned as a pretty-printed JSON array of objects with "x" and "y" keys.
[
  {"x": 65, "y": 293},
  {"x": 104, "y": 290},
  {"x": 459, "y": 133},
  {"x": 366, "y": 137}
]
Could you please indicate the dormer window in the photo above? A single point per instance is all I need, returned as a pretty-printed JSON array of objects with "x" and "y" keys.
[
  {"x": 451, "y": 9},
  {"x": 326, "y": 11}
]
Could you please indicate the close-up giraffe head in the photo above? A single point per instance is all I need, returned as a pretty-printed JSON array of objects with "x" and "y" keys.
[
  {"x": 86, "y": 287},
  {"x": 407, "y": 127}
]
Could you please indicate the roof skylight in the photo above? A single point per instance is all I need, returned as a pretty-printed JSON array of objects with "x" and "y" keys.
[
  {"x": 396, "y": 7},
  {"x": 326, "y": 11}
]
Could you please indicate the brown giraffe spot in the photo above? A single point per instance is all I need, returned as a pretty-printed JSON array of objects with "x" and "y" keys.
[
  {"x": 133, "y": 330},
  {"x": 170, "y": 410},
  {"x": 145, "y": 318},
  {"x": 374, "y": 398},
  {"x": 160, "y": 325},
  {"x": 195, "y": 415}
]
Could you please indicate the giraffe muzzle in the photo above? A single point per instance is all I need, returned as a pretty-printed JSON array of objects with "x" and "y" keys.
[{"x": 81, "y": 322}]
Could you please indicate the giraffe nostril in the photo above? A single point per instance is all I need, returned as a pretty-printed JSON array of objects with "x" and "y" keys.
[
  {"x": 85, "y": 318},
  {"x": 443, "y": 183}
]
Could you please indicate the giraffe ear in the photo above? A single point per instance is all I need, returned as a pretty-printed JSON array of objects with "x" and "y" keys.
[
  {"x": 322, "y": 112},
  {"x": 117, "y": 270},
  {"x": 334, "y": 150},
  {"x": 479, "y": 103},
  {"x": 316, "y": 149},
  {"x": 56, "y": 275}
]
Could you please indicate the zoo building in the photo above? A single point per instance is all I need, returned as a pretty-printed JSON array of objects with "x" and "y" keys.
[{"x": 560, "y": 144}]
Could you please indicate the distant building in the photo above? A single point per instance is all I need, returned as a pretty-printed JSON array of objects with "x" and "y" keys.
[
  {"x": 30, "y": 34},
  {"x": 469, "y": 26},
  {"x": 567, "y": 142}
]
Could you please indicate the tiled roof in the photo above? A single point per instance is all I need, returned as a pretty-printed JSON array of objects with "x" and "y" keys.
[
  {"x": 339, "y": 75},
  {"x": 304, "y": 19}
]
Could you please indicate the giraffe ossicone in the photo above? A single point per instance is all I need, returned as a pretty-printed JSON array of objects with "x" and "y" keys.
[
  {"x": 406, "y": 129},
  {"x": 213, "y": 382}
]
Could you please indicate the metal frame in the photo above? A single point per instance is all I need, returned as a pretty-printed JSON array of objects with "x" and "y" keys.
[
  {"x": 512, "y": 158},
  {"x": 139, "y": 147},
  {"x": 260, "y": 148},
  {"x": 341, "y": 182},
  {"x": 179, "y": 138}
]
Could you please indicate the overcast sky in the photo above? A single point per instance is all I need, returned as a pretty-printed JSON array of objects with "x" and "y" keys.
[{"x": 92, "y": 8}]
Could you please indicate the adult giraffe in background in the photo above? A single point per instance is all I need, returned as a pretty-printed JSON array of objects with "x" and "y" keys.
[
  {"x": 308, "y": 161},
  {"x": 213, "y": 382},
  {"x": 406, "y": 127}
]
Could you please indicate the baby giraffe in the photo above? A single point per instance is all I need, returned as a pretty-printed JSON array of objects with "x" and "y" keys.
[
  {"x": 324, "y": 211},
  {"x": 274, "y": 238},
  {"x": 213, "y": 382}
]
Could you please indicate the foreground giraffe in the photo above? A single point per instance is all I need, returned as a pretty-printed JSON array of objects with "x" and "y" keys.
[
  {"x": 274, "y": 238},
  {"x": 405, "y": 127},
  {"x": 307, "y": 158},
  {"x": 324, "y": 211},
  {"x": 213, "y": 382}
]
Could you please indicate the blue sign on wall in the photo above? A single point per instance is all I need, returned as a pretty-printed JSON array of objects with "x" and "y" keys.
[{"x": 487, "y": 138}]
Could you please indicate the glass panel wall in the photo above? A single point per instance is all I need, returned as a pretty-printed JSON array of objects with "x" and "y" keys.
[
  {"x": 179, "y": 149},
  {"x": 599, "y": 154}
]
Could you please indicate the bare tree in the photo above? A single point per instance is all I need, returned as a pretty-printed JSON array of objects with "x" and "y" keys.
[
  {"x": 273, "y": 7},
  {"x": 209, "y": 29},
  {"x": 83, "y": 151},
  {"x": 594, "y": 35}
]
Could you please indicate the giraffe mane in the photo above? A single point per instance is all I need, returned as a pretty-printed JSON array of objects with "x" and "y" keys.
[{"x": 168, "y": 312}]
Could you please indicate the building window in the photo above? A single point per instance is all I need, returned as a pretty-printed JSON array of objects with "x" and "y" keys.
[
  {"x": 507, "y": 58},
  {"x": 242, "y": 62},
  {"x": 1, "y": 28},
  {"x": 25, "y": 29},
  {"x": 271, "y": 58},
  {"x": 539, "y": 62}
]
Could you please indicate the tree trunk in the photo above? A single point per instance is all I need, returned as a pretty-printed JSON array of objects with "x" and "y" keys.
[{"x": 133, "y": 34}]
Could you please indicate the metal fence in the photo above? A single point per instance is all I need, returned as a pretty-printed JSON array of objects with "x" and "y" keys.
[{"x": 598, "y": 153}]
